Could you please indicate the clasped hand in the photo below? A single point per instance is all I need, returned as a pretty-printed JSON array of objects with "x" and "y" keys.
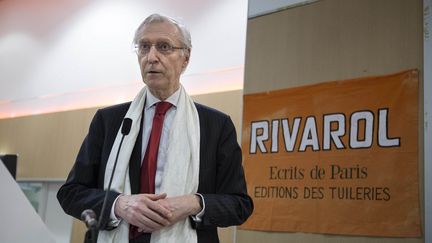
[{"x": 152, "y": 212}]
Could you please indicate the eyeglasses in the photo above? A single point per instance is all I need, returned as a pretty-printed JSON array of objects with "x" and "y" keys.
[{"x": 143, "y": 48}]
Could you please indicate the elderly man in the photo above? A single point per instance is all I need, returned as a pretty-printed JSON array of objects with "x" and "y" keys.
[{"x": 179, "y": 174}]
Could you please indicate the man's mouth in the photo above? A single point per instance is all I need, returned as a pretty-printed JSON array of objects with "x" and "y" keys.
[{"x": 153, "y": 72}]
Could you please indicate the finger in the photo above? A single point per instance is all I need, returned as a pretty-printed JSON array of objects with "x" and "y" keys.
[
  {"x": 160, "y": 209},
  {"x": 151, "y": 223},
  {"x": 152, "y": 202},
  {"x": 141, "y": 221},
  {"x": 146, "y": 212},
  {"x": 155, "y": 216},
  {"x": 167, "y": 203},
  {"x": 156, "y": 197},
  {"x": 149, "y": 226}
]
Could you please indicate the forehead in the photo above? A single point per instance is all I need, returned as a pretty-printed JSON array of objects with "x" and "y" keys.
[{"x": 159, "y": 30}]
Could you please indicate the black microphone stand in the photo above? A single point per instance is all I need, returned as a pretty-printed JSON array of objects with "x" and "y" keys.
[{"x": 88, "y": 215}]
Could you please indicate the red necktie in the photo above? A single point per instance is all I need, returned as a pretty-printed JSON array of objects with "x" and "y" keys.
[{"x": 149, "y": 164}]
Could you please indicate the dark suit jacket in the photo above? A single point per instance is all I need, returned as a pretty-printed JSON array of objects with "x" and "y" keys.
[{"x": 221, "y": 177}]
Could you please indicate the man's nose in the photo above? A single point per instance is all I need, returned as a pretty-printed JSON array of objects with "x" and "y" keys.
[{"x": 152, "y": 55}]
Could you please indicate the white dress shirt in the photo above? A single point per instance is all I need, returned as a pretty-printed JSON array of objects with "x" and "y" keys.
[{"x": 149, "y": 111}]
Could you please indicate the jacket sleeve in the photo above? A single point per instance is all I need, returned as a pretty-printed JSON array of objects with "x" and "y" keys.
[
  {"x": 84, "y": 186},
  {"x": 227, "y": 202}
]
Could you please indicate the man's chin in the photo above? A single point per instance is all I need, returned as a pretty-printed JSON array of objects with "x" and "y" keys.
[
  {"x": 154, "y": 80},
  {"x": 156, "y": 84}
]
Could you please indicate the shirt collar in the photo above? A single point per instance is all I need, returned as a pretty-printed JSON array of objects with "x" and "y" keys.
[{"x": 151, "y": 100}]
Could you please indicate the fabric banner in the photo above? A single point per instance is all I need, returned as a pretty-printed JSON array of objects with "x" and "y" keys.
[{"x": 338, "y": 157}]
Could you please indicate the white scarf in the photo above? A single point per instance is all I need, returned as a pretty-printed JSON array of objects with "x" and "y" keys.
[{"x": 180, "y": 176}]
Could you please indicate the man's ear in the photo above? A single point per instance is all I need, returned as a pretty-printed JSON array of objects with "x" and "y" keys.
[
  {"x": 186, "y": 62},
  {"x": 188, "y": 55}
]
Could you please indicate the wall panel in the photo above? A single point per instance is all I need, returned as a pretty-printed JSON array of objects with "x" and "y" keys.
[{"x": 332, "y": 40}]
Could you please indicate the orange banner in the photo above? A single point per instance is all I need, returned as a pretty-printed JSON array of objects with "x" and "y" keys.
[{"x": 338, "y": 157}]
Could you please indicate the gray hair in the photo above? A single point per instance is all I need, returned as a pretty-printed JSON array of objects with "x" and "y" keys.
[{"x": 158, "y": 18}]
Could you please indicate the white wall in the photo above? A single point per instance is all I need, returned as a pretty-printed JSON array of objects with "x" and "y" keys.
[{"x": 62, "y": 55}]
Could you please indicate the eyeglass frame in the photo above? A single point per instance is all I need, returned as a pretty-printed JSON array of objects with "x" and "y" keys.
[{"x": 138, "y": 50}]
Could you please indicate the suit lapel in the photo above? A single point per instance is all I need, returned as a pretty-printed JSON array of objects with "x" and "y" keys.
[{"x": 135, "y": 163}]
